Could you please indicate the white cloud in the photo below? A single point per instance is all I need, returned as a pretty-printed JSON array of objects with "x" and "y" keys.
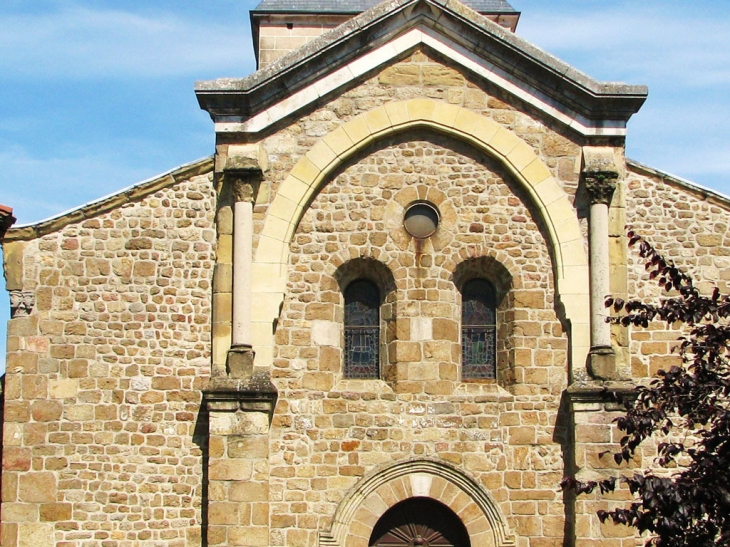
[
  {"x": 680, "y": 50},
  {"x": 652, "y": 40},
  {"x": 79, "y": 42},
  {"x": 40, "y": 186}
]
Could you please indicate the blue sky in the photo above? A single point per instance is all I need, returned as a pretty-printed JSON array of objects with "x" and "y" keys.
[{"x": 98, "y": 94}]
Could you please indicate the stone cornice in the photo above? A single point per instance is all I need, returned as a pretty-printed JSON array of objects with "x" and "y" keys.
[
  {"x": 105, "y": 204},
  {"x": 366, "y": 43},
  {"x": 603, "y": 395}
]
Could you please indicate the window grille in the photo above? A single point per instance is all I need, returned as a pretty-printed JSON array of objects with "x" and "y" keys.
[
  {"x": 478, "y": 330},
  {"x": 362, "y": 330}
]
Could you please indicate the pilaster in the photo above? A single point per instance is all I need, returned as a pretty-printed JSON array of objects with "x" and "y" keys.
[
  {"x": 593, "y": 409},
  {"x": 599, "y": 178},
  {"x": 240, "y": 401},
  {"x": 238, "y": 463},
  {"x": 239, "y": 169}
]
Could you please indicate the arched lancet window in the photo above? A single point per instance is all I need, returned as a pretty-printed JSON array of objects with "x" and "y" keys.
[
  {"x": 362, "y": 329},
  {"x": 478, "y": 330},
  {"x": 419, "y": 522}
]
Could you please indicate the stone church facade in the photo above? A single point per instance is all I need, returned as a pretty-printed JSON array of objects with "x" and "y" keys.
[{"x": 374, "y": 317}]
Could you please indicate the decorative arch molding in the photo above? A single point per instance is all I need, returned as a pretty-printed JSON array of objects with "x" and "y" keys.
[
  {"x": 570, "y": 260},
  {"x": 499, "y": 272},
  {"x": 367, "y": 267},
  {"x": 363, "y": 505}
]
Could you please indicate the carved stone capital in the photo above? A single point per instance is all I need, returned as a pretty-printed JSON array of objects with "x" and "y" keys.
[
  {"x": 21, "y": 303},
  {"x": 243, "y": 187},
  {"x": 600, "y": 185}
]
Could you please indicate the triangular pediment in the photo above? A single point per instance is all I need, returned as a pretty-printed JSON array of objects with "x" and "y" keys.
[{"x": 386, "y": 33}]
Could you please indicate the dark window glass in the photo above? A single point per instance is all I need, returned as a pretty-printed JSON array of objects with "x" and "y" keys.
[
  {"x": 362, "y": 330},
  {"x": 478, "y": 330},
  {"x": 422, "y": 522}
]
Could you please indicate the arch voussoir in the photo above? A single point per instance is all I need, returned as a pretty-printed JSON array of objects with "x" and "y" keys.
[
  {"x": 373, "y": 496},
  {"x": 515, "y": 155}
]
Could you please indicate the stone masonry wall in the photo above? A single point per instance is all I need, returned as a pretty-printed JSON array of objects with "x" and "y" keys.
[
  {"x": 282, "y": 34},
  {"x": 328, "y": 432},
  {"x": 688, "y": 229},
  {"x": 102, "y": 439},
  {"x": 422, "y": 74}
]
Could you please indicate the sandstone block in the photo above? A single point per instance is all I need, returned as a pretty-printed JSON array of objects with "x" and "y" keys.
[
  {"x": 248, "y": 447},
  {"x": 144, "y": 268},
  {"x": 318, "y": 381},
  {"x": 46, "y": 411},
  {"x": 37, "y": 487},
  {"x": 407, "y": 351},
  {"x": 17, "y": 411},
  {"x": 249, "y": 536},
  {"x": 249, "y": 491},
  {"x": 35, "y": 535},
  {"x": 441, "y": 75},
  {"x": 400, "y": 74},
  {"x": 63, "y": 389},
  {"x": 55, "y": 511},
  {"x": 220, "y": 513}
]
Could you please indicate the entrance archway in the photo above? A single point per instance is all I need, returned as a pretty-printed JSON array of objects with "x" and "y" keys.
[
  {"x": 419, "y": 522},
  {"x": 372, "y": 497}
]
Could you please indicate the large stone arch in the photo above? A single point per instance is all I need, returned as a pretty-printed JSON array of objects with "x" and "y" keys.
[
  {"x": 363, "y": 505},
  {"x": 570, "y": 261}
]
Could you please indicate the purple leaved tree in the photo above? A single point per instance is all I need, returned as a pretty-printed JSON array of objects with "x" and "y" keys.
[{"x": 685, "y": 501}]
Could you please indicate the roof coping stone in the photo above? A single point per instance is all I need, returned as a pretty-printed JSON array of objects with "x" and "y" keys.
[{"x": 358, "y": 6}]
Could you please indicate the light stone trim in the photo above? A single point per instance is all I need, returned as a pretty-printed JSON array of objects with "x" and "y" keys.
[
  {"x": 242, "y": 260},
  {"x": 388, "y": 52},
  {"x": 363, "y": 505},
  {"x": 296, "y": 191}
]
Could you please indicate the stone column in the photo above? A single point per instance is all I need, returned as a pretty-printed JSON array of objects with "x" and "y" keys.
[
  {"x": 599, "y": 179},
  {"x": 240, "y": 356},
  {"x": 240, "y": 403},
  {"x": 241, "y": 167}
]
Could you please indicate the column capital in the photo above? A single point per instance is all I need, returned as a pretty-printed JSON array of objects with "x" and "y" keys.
[
  {"x": 242, "y": 167},
  {"x": 21, "y": 303},
  {"x": 244, "y": 186},
  {"x": 600, "y": 185},
  {"x": 600, "y": 173}
]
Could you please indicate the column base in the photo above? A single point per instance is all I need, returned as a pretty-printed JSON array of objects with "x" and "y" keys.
[
  {"x": 239, "y": 362},
  {"x": 602, "y": 363},
  {"x": 255, "y": 394}
]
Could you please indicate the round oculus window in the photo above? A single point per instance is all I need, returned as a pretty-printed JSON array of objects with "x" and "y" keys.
[{"x": 421, "y": 219}]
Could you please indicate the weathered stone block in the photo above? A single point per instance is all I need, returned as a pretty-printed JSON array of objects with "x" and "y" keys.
[
  {"x": 249, "y": 536},
  {"x": 63, "y": 389},
  {"x": 249, "y": 491},
  {"x": 37, "y": 487},
  {"x": 55, "y": 511},
  {"x": 248, "y": 447},
  {"x": 401, "y": 74},
  {"x": 230, "y": 470},
  {"x": 46, "y": 411}
]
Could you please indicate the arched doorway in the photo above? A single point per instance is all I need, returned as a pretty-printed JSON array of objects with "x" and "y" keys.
[{"x": 419, "y": 522}]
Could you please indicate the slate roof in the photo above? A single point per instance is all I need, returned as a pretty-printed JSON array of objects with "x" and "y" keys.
[{"x": 358, "y": 6}]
